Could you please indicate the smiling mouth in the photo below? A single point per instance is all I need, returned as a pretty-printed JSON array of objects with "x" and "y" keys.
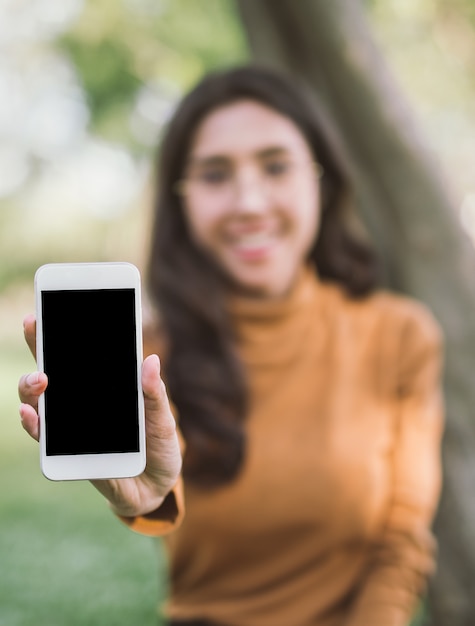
[{"x": 253, "y": 246}]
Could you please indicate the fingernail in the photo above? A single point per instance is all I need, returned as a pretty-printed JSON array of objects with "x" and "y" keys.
[
  {"x": 157, "y": 361},
  {"x": 33, "y": 379}
]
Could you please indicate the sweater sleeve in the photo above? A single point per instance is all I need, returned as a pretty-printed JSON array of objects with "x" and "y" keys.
[
  {"x": 404, "y": 553},
  {"x": 168, "y": 516},
  {"x": 162, "y": 521}
]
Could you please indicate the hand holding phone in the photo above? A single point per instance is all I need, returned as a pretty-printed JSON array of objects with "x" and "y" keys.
[{"x": 128, "y": 496}]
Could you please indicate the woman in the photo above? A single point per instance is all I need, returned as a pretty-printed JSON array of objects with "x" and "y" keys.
[{"x": 309, "y": 401}]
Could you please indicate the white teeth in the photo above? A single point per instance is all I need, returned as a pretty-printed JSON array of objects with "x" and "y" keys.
[{"x": 254, "y": 240}]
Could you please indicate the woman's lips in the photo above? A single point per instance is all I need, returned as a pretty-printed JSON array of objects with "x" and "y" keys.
[{"x": 255, "y": 246}]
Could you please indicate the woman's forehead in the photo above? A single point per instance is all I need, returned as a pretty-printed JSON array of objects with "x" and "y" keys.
[{"x": 246, "y": 126}]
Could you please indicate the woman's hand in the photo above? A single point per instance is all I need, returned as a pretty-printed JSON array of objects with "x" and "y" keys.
[{"x": 127, "y": 496}]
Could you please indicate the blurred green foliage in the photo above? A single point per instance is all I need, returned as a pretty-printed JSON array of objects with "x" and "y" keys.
[
  {"x": 106, "y": 68},
  {"x": 118, "y": 47}
]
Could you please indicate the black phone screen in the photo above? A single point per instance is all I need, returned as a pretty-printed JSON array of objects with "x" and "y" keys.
[{"x": 90, "y": 358}]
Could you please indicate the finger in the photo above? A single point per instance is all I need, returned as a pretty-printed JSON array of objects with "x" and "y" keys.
[
  {"x": 29, "y": 329},
  {"x": 159, "y": 418},
  {"x": 31, "y": 386},
  {"x": 29, "y": 420}
]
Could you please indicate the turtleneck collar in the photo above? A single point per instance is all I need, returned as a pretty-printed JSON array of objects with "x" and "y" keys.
[
  {"x": 270, "y": 333},
  {"x": 245, "y": 309}
]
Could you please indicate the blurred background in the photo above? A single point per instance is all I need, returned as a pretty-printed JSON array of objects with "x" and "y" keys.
[{"x": 86, "y": 87}]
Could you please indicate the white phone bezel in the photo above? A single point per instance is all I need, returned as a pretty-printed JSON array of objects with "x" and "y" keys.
[{"x": 60, "y": 276}]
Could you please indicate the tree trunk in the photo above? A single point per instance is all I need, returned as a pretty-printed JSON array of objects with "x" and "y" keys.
[{"x": 408, "y": 212}]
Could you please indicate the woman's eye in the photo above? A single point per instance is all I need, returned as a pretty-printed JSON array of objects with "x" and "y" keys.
[
  {"x": 277, "y": 168},
  {"x": 215, "y": 176}
]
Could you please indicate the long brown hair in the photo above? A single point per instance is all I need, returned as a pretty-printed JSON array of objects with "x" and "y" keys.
[{"x": 204, "y": 377}]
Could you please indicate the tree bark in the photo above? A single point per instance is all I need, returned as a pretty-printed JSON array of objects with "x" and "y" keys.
[{"x": 407, "y": 209}]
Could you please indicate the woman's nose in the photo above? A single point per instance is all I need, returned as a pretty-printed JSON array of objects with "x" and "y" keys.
[{"x": 250, "y": 194}]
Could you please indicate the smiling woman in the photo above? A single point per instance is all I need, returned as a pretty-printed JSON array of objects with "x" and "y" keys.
[{"x": 277, "y": 378}]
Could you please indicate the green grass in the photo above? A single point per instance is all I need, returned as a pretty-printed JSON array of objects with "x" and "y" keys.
[{"x": 64, "y": 558}]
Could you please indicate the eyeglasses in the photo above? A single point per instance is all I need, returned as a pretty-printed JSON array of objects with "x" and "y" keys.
[{"x": 221, "y": 180}]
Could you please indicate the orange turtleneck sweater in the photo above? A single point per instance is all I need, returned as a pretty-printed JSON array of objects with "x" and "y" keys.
[{"x": 328, "y": 523}]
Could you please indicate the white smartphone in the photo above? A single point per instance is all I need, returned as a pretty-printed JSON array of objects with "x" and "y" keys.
[{"x": 89, "y": 343}]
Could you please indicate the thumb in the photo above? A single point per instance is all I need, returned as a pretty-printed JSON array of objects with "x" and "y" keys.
[{"x": 160, "y": 422}]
